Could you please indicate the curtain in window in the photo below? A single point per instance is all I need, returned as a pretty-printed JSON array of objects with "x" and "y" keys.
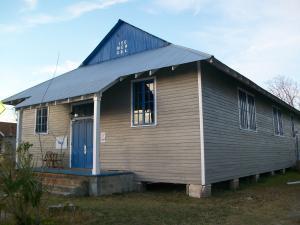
[
  {"x": 243, "y": 110},
  {"x": 251, "y": 110}
]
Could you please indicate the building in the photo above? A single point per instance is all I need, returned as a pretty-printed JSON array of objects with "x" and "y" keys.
[
  {"x": 7, "y": 136},
  {"x": 162, "y": 111}
]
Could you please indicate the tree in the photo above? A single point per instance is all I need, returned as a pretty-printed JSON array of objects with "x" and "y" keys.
[{"x": 286, "y": 89}]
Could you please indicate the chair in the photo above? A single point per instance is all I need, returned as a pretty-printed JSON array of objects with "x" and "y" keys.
[{"x": 48, "y": 159}]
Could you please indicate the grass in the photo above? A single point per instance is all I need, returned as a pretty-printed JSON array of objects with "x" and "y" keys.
[{"x": 270, "y": 201}]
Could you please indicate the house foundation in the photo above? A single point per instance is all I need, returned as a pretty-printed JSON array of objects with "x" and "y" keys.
[
  {"x": 234, "y": 184},
  {"x": 198, "y": 191},
  {"x": 255, "y": 178}
]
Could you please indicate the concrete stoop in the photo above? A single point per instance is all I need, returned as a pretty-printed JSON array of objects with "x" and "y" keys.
[{"x": 79, "y": 185}]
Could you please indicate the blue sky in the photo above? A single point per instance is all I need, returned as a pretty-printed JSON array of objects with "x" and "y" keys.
[{"x": 260, "y": 39}]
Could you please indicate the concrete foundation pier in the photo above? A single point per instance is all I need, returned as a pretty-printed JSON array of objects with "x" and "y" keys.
[
  {"x": 234, "y": 184},
  {"x": 198, "y": 191}
]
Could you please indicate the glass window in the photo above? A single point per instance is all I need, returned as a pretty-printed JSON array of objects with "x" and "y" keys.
[
  {"x": 83, "y": 110},
  {"x": 277, "y": 117},
  {"x": 41, "y": 125},
  {"x": 247, "y": 111},
  {"x": 293, "y": 126},
  {"x": 143, "y": 102}
]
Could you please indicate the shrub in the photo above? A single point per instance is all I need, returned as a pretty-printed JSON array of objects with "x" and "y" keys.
[{"x": 20, "y": 189}]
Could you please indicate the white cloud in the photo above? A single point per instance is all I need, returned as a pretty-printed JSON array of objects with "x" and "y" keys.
[
  {"x": 83, "y": 7},
  {"x": 177, "y": 6},
  {"x": 71, "y": 12},
  {"x": 48, "y": 70},
  {"x": 30, "y": 4},
  {"x": 259, "y": 40}
]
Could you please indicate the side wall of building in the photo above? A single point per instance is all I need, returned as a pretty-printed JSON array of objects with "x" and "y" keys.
[
  {"x": 167, "y": 152},
  {"x": 58, "y": 125},
  {"x": 231, "y": 152}
]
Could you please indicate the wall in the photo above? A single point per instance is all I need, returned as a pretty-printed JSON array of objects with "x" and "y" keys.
[
  {"x": 168, "y": 152},
  {"x": 231, "y": 152},
  {"x": 58, "y": 125}
]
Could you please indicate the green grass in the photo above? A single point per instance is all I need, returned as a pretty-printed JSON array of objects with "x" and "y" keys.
[{"x": 270, "y": 201}]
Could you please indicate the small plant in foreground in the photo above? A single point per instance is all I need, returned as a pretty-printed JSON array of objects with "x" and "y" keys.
[{"x": 20, "y": 189}]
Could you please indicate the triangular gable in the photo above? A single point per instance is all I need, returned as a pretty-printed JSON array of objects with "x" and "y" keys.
[{"x": 123, "y": 40}]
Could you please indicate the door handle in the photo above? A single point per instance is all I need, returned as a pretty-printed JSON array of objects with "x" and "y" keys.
[{"x": 84, "y": 149}]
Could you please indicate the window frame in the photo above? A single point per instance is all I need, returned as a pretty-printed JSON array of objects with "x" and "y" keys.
[
  {"x": 41, "y": 133},
  {"x": 248, "y": 117},
  {"x": 278, "y": 109},
  {"x": 155, "y": 102}
]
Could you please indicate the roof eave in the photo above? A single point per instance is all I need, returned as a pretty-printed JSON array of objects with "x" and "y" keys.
[{"x": 221, "y": 66}]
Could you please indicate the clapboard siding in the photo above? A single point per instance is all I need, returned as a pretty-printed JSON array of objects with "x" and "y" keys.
[
  {"x": 58, "y": 125},
  {"x": 231, "y": 152},
  {"x": 168, "y": 152}
]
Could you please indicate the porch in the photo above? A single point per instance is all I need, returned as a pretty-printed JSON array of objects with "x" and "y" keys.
[{"x": 81, "y": 182}]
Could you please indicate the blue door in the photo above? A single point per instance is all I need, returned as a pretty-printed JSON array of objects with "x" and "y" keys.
[{"x": 82, "y": 143}]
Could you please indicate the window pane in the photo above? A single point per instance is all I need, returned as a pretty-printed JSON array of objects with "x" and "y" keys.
[
  {"x": 293, "y": 126},
  {"x": 280, "y": 122},
  {"x": 41, "y": 120},
  {"x": 243, "y": 110},
  {"x": 275, "y": 117},
  {"x": 143, "y": 102},
  {"x": 251, "y": 113}
]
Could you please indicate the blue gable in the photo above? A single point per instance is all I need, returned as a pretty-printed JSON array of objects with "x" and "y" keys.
[{"x": 123, "y": 40}]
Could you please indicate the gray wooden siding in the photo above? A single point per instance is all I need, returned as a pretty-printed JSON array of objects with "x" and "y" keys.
[
  {"x": 231, "y": 152},
  {"x": 58, "y": 125},
  {"x": 168, "y": 152}
]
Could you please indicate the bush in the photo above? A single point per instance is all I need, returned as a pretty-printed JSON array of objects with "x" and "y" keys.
[{"x": 20, "y": 189}]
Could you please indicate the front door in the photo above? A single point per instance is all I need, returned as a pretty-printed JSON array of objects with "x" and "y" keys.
[{"x": 82, "y": 143}]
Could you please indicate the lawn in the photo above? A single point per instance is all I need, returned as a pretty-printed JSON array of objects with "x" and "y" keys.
[{"x": 270, "y": 201}]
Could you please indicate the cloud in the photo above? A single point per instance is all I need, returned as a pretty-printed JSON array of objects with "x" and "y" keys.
[
  {"x": 30, "y": 5},
  {"x": 83, "y": 7},
  {"x": 177, "y": 6},
  {"x": 48, "y": 70},
  {"x": 71, "y": 12},
  {"x": 260, "y": 40}
]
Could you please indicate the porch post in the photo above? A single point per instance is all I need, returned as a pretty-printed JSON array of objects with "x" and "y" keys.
[
  {"x": 96, "y": 134},
  {"x": 19, "y": 131}
]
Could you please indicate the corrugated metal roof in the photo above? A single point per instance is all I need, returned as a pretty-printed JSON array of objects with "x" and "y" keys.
[{"x": 95, "y": 78}]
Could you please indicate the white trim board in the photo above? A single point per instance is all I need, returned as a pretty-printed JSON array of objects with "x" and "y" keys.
[{"x": 199, "y": 73}]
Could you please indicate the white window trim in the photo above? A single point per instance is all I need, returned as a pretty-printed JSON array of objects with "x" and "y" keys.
[
  {"x": 42, "y": 133},
  {"x": 155, "y": 102},
  {"x": 277, "y": 135},
  {"x": 248, "y": 118}
]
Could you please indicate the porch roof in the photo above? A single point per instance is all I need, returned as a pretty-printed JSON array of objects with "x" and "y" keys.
[{"x": 98, "y": 77}]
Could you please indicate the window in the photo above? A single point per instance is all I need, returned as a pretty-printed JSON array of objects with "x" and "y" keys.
[
  {"x": 83, "y": 110},
  {"x": 277, "y": 117},
  {"x": 293, "y": 126},
  {"x": 247, "y": 111},
  {"x": 143, "y": 102},
  {"x": 41, "y": 122}
]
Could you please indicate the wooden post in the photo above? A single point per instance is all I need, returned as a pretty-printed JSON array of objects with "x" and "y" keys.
[
  {"x": 96, "y": 135},
  {"x": 19, "y": 131}
]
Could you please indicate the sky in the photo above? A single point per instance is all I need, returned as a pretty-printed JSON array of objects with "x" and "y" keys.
[{"x": 258, "y": 38}]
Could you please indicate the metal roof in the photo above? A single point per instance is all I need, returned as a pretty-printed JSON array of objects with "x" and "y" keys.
[
  {"x": 96, "y": 78},
  {"x": 104, "y": 66}
]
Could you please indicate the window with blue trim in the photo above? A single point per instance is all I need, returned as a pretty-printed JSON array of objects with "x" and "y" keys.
[{"x": 143, "y": 102}]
